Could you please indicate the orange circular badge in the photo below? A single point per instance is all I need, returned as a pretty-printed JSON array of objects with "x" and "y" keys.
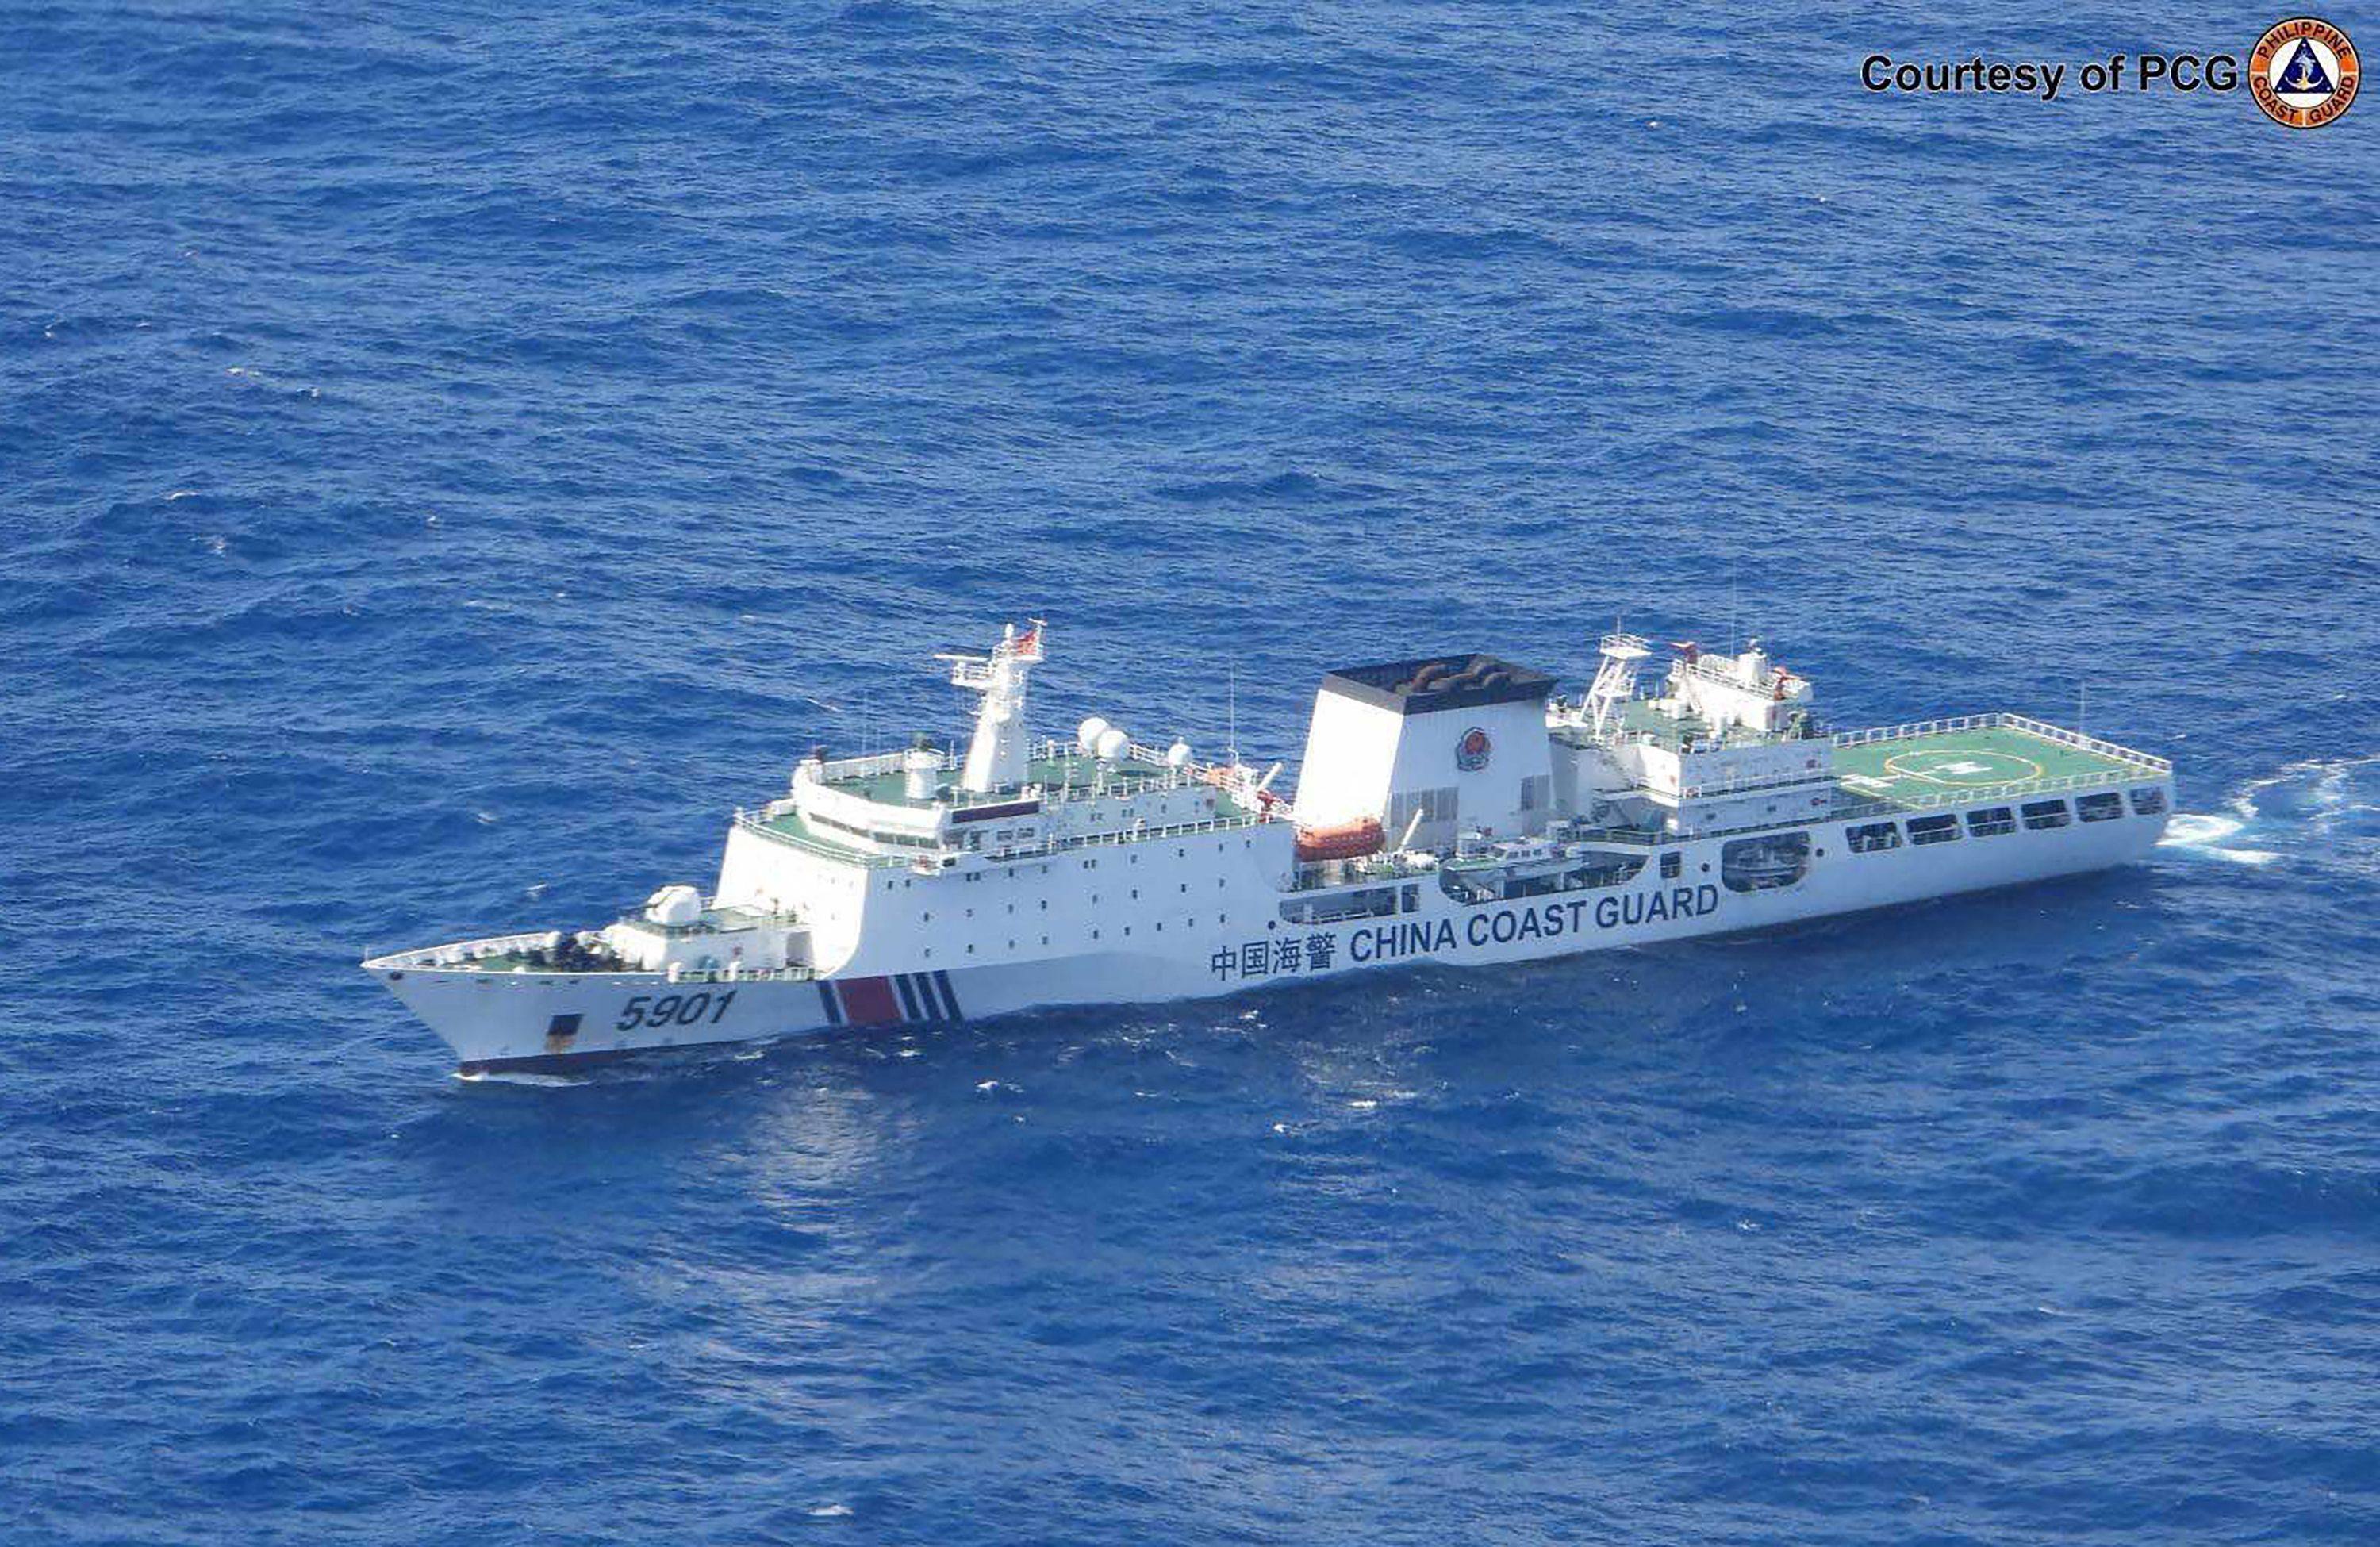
[{"x": 2303, "y": 73}]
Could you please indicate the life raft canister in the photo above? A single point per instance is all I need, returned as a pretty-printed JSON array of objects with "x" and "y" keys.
[{"x": 1349, "y": 840}]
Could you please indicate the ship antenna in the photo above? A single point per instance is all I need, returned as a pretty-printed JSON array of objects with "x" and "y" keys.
[{"x": 1232, "y": 714}]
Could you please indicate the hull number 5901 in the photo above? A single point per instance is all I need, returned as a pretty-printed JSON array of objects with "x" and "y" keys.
[{"x": 673, "y": 1009}]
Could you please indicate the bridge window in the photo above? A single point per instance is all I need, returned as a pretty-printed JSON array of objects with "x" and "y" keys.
[
  {"x": 2107, "y": 806},
  {"x": 2041, "y": 814}
]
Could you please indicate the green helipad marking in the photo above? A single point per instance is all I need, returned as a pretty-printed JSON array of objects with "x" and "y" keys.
[
  {"x": 1999, "y": 758},
  {"x": 1960, "y": 766}
]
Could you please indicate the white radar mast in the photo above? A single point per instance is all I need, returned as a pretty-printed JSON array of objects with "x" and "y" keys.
[
  {"x": 997, "y": 756},
  {"x": 1615, "y": 680}
]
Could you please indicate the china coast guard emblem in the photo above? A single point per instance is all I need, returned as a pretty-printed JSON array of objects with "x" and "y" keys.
[
  {"x": 2303, "y": 73},
  {"x": 1470, "y": 752}
]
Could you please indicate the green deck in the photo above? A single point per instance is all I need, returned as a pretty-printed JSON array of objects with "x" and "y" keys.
[{"x": 1928, "y": 769}]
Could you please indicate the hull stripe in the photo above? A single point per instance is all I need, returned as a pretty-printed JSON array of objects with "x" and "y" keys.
[
  {"x": 869, "y": 1002},
  {"x": 834, "y": 1010},
  {"x": 908, "y": 998},
  {"x": 950, "y": 1000}
]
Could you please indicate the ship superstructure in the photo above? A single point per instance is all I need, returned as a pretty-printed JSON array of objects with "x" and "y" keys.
[{"x": 1450, "y": 808}]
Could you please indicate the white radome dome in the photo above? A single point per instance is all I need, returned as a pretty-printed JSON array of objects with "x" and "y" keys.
[{"x": 1086, "y": 735}]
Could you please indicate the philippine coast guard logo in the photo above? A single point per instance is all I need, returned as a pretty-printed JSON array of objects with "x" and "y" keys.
[
  {"x": 1470, "y": 752},
  {"x": 2303, "y": 73}
]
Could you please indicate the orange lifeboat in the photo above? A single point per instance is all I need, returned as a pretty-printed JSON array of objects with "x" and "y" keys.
[{"x": 1349, "y": 840}]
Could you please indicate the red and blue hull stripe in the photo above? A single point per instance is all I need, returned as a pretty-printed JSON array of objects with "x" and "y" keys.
[{"x": 900, "y": 999}]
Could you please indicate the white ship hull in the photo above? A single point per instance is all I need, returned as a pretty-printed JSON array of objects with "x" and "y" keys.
[{"x": 549, "y": 1020}]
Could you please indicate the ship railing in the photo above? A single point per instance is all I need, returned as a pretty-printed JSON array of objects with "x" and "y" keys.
[
  {"x": 2014, "y": 790},
  {"x": 763, "y": 822},
  {"x": 2025, "y": 723},
  {"x": 1938, "y": 726},
  {"x": 502, "y": 955},
  {"x": 1729, "y": 788},
  {"x": 1143, "y": 767},
  {"x": 464, "y": 954},
  {"x": 1375, "y": 870},
  {"x": 874, "y": 764},
  {"x": 1128, "y": 835},
  {"x": 930, "y": 859},
  {"x": 1846, "y": 808},
  {"x": 2060, "y": 734}
]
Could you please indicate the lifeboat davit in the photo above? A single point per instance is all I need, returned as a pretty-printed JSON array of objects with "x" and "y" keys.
[{"x": 1349, "y": 840}]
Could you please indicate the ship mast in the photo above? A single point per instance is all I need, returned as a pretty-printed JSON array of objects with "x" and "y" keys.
[
  {"x": 997, "y": 756},
  {"x": 1615, "y": 680}
]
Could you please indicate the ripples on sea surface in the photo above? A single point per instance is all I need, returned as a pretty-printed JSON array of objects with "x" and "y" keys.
[{"x": 452, "y": 461}]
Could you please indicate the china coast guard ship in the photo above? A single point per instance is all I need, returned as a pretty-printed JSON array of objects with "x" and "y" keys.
[{"x": 1453, "y": 808}]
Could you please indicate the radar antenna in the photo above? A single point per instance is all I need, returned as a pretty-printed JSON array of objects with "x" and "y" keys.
[
  {"x": 997, "y": 757},
  {"x": 1615, "y": 680}
]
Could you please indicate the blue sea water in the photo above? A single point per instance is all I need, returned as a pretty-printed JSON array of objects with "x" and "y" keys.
[{"x": 453, "y": 455}]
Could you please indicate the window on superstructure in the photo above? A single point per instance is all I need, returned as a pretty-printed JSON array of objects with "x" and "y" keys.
[
  {"x": 1872, "y": 838},
  {"x": 1671, "y": 865},
  {"x": 2148, "y": 801},
  {"x": 2107, "y": 806},
  {"x": 2042, "y": 814},
  {"x": 1990, "y": 821},
  {"x": 1933, "y": 829},
  {"x": 1433, "y": 805}
]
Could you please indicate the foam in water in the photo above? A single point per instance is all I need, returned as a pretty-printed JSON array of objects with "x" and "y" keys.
[
  {"x": 2204, "y": 834},
  {"x": 2317, "y": 793},
  {"x": 519, "y": 1076}
]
